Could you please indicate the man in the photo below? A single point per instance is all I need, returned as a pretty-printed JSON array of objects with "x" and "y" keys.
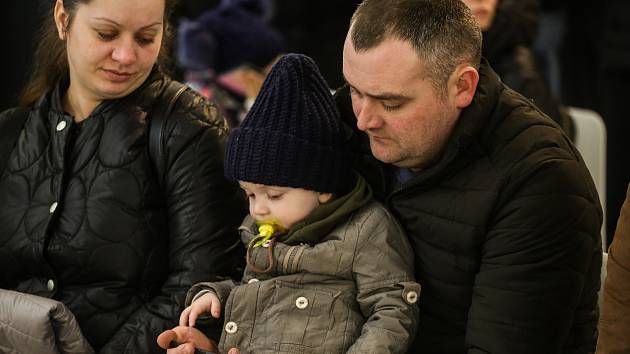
[{"x": 501, "y": 211}]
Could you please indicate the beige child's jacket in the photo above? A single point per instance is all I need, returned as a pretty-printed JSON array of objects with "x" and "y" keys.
[{"x": 352, "y": 292}]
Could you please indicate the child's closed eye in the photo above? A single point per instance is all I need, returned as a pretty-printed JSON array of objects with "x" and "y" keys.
[{"x": 275, "y": 196}]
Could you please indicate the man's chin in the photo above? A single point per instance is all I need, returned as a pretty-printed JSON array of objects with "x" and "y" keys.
[
  {"x": 389, "y": 158},
  {"x": 383, "y": 156}
]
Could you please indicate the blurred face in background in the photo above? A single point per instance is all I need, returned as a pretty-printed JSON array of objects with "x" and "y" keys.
[
  {"x": 484, "y": 11},
  {"x": 112, "y": 46}
]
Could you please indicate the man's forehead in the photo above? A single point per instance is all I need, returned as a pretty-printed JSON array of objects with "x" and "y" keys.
[{"x": 383, "y": 70}]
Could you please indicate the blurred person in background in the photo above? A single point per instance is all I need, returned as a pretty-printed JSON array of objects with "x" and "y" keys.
[
  {"x": 509, "y": 30},
  {"x": 227, "y": 52}
]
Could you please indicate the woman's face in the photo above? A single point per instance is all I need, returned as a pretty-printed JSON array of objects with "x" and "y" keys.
[
  {"x": 112, "y": 45},
  {"x": 484, "y": 11}
]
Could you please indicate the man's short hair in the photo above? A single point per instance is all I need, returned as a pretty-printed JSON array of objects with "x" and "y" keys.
[{"x": 444, "y": 33}]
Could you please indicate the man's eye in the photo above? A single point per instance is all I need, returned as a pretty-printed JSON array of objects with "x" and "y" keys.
[{"x": 388, "y": 107}]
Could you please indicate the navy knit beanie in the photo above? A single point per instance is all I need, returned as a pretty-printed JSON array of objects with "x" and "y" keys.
[{"x": 292, "y": 137}]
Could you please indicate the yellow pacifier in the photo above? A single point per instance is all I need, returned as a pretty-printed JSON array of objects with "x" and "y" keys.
[{"x": 266, "y": 231}]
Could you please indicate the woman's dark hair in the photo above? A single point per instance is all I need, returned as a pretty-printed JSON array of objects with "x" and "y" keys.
[{"x": 50, "y": 63}]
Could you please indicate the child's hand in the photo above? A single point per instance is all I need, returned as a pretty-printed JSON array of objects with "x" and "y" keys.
[{"x": 207, "y": 303}]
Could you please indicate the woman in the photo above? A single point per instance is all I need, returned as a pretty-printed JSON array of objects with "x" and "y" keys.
[{"x": 87, "y": 218}]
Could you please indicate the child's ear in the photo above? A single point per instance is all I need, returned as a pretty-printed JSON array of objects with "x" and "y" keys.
[{"x": 324, "y": 197}]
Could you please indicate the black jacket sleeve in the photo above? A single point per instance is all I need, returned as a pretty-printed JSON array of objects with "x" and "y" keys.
[{"x": 204, "y": 211}]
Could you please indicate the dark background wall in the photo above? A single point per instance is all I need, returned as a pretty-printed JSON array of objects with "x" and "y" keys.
[{"x": 20, "y": 21}]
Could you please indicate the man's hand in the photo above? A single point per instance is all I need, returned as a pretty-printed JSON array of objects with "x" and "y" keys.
[
  {"x": 208, "y": 303},
  {"x": 188, "y": 339}
]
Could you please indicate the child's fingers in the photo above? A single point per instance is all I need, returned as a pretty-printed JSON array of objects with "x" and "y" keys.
[
  {"x": 215, "y": 308},
  {"x": 183, "y": 318},
  {"x": 192, "y": 318}
]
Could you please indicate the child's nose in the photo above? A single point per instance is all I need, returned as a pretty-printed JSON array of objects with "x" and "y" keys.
[{"x": 259, "y": 208}]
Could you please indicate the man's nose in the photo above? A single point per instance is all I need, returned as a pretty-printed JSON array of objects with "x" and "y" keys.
[{"x": 367, "y": 115}]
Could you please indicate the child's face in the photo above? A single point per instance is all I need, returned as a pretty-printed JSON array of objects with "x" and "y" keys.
[{"x": 281, "y": 204}]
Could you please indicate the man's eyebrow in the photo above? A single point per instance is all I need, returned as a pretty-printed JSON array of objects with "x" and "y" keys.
[
  {"x": 385, "y": 96},
  {"x": 118, "y": 25}
]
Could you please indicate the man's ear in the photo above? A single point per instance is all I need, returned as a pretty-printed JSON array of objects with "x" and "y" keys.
[
  {"x": 61, "y": 19},
  {"x": 464, "y": 84}
]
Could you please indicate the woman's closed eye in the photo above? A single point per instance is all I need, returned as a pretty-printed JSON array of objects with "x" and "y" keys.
[
  {"x": 106, "y": 36},
  {"x": 145, "y": 40},
  {"x": 142, "y": 40}
]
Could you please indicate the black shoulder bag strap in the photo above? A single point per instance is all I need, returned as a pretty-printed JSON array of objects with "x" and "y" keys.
[
  {"x": 10, "y": 128},
  {"x": 159, "y": 115}
]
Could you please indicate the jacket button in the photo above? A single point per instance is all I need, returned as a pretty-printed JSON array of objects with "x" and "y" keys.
[
  {"x": 53, "y": 207},
  {"x": 61, "y": 126},
  {"x": 50, "y": 285},
  {"x": 253, "y": 280},
  {"x": 301, "y": 302},
  {"x": 412, "y": 297},
  {"x": 231, "y": 327}
]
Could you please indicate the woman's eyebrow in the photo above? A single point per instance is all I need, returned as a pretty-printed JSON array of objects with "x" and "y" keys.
[{"x": 119, "y": 25}]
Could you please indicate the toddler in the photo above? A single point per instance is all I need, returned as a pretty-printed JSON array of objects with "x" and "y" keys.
[{"x": 328, "y": 268}]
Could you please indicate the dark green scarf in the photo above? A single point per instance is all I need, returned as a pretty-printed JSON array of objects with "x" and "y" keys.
[{"x": 321, "y": 221}]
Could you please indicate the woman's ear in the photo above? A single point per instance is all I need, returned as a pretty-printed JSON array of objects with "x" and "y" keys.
[
  {"x": 61, "y": 19},
  {"x": 324, "y": 197}
]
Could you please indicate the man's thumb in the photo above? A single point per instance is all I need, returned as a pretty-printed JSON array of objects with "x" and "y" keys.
[{"x": 165, "y": 338}]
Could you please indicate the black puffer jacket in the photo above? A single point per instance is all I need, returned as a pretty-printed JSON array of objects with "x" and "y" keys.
[
  {"x": 505, "y": 229},
  {"x": 507, "y": 45},
  {"x": 84, "y": 219}
]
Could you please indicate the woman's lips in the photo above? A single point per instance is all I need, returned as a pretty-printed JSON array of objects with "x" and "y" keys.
[{"x": 117, "y": 76}]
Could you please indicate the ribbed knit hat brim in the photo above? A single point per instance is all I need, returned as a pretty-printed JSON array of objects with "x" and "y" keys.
[{"x": 279, "y": 159}]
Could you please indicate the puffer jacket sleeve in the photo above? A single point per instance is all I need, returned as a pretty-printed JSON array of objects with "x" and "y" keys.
[
  {"x": 537, "y": 257},
  {"x": 386, "y": 291},
  {"x": 204, "y": 211},
  {"x": 35, "y": 324}
]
